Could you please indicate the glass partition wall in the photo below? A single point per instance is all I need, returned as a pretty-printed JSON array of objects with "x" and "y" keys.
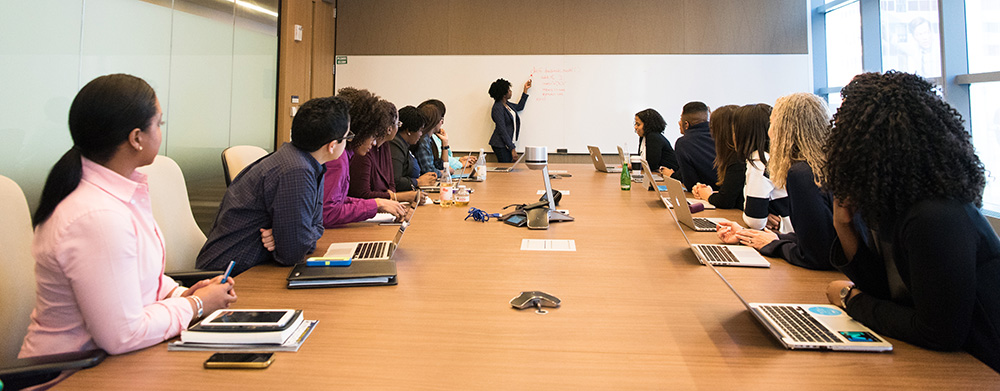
[{"x": 213, "y": 64}]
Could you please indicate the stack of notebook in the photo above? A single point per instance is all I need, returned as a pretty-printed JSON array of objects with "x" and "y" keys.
[{"x": 243, "y": 330}]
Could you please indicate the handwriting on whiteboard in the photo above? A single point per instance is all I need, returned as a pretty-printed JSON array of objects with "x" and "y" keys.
[{"x": 552, "y": 81}]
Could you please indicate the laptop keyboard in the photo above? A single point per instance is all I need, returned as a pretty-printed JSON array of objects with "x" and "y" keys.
[
  {"x": 718, "y": 254},
  {"x": 801, "y": 326},
  {"x": 703, "y": 223},
  {"x": 368, "y": 250}
]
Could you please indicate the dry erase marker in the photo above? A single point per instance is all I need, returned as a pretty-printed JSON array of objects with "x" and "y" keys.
[{"x": 229, "y": 269}]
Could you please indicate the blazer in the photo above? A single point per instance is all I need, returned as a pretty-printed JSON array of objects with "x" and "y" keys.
[
  {"x": 504, "y": 134},
  {"x": 947, "y": 261},
  {"x": 660, "y": 154}
]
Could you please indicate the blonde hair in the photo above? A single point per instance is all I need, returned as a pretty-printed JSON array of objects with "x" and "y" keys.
[{"x": 800, "y": 125}]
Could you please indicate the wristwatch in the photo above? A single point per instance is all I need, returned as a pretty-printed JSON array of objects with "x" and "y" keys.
[
  {"x": 845, "y": 294},
  {"x": 446, "y": 147}
]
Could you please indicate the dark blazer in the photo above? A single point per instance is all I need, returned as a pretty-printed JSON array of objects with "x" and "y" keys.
[
  {"x": 948, "y": 259},
  {"x": 811, "y": 213},
  {"x": 660, "y": 154},
  {"x": 402, "y": 165},
  {"x": 730, "y": 194},
  {"x": 695, "y": 155},
  {"x": 503, "y": 133}
]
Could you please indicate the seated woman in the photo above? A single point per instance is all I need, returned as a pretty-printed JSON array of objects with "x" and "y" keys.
[
  {"x": 441, "y": 142},
  {"x": 762, "y": 198},
  {"x": 730, "y": 169},
  {"x": 371, "y": 174},
  {"x": 367, "y": 126},
  {"x": 907, "y": 185},
  {"x": 800, "y": 124},
  {"x": 653, "y": 147},
  {"x": 429, "y": 157},
  {"x": 94, "y": 224},
  {"x": 406, "y": 170}
]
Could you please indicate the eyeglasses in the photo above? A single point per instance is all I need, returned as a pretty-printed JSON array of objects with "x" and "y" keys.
[{"x": 347, "y": 136}]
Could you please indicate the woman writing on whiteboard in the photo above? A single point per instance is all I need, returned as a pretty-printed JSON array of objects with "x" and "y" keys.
[{"x": 508, "y": 123}]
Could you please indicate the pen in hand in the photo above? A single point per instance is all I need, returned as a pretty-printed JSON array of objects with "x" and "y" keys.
[{"x": 225, "y": 277}]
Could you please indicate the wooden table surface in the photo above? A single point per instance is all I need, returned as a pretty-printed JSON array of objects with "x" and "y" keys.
[{"x": 638, "y": 312}]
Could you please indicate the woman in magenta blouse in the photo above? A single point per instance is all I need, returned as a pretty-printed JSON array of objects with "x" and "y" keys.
[
  {"x": 368, "y": 126},
  {"x": 99, "y": 255}
]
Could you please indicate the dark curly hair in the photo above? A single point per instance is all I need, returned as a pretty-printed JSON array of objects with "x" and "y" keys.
[
  {"x": 652, "y": 121},
  {"x": 367, "y": 120},
  {"x": 412, "y": 120},
  {"x": 894, "y": 143},
  {"x": 499, "y": 89}
]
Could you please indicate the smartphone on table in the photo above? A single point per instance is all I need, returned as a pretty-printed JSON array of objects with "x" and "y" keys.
[{"x": 240, "y": 360}]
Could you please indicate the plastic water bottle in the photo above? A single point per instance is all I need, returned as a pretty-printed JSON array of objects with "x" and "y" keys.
[
  {"x": 462, "y": 197},
  {"x": 446, "y": 193},
  {"x": 480, "y": 168}
]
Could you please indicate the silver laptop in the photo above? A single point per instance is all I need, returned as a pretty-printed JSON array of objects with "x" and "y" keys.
[
  {"x": 595, "y": 156},
  {"x": 697, "y": 223},
  {"x": 636, "y": 175},
  {"x": 507, "y": 169},
  {"x": 813, "y": 326},
  {"x": 721, "y": 254},
  {"x": 370, "y": 251}
]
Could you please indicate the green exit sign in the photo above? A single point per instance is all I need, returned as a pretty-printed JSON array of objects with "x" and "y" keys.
[{"x": 341, "y": 60}]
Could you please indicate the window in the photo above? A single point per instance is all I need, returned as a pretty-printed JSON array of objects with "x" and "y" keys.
[
  {"x": 911, "y": 37},
  {"x": 985, "y": 123},
  {"x": 843, "y": 45},
  {"x": 983, "y": 24}
]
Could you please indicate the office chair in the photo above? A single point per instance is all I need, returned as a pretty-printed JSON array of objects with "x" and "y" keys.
[
  {"x": 172, "y": 211},
  {"x": 17, "y": 271},
  {"x": 238, "y": 157}
]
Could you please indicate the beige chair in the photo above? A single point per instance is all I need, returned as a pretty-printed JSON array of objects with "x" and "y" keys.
[
  {"x": 17, "y": 298},
  {"x": 17, "y": 266},
  {"x": 238, "y": 157},
  {"x": 172, "y": 211}
]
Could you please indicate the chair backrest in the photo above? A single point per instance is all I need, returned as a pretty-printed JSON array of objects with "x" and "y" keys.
[
  {"x": 17, "y": 268},
  {"x": 238, "y": 157},
  {"x": 172, "y": 211}
]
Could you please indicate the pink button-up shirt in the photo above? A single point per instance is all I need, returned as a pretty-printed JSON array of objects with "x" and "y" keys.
[{"x": 99, "y": 263}]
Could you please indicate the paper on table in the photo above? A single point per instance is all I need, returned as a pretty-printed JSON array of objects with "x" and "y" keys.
[{"x": 548, "y": 245}]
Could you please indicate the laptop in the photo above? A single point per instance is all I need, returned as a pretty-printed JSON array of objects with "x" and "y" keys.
[
  {"x": 812, "y": 326},
  {"x": 699, "y": 223},
  {"x": 460, "y": 176},
  {"x": 721, "y": 254},
  {"x": 595, "y": 156},
  {"x": 370, "y": 251},
  {"x": 507, "y": 169}
]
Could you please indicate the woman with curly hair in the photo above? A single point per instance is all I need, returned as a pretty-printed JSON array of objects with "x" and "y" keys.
[
  {"x": 924, "y": 263},
  {"x": 653, "y": 147},
  {"x": 368, "y": 126},
  {"x": 730, "y": 169},
  {"x": 800, "y": 124},
  {"x": 508, "y": 123}
]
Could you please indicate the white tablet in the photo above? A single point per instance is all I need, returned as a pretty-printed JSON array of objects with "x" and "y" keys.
[{"x": 255, "y": 319}]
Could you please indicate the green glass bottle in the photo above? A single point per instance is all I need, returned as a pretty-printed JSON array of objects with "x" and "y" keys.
[{"x": 626, "y": 177}]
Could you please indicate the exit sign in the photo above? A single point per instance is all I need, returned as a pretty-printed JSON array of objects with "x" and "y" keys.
[{"x": 341, "y": 60}]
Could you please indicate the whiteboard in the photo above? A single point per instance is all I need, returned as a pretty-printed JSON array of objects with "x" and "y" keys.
[{"x": 575, "y": 100}]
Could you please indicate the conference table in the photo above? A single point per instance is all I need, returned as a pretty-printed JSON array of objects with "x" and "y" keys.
[{"x": 638, "y": 311}]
